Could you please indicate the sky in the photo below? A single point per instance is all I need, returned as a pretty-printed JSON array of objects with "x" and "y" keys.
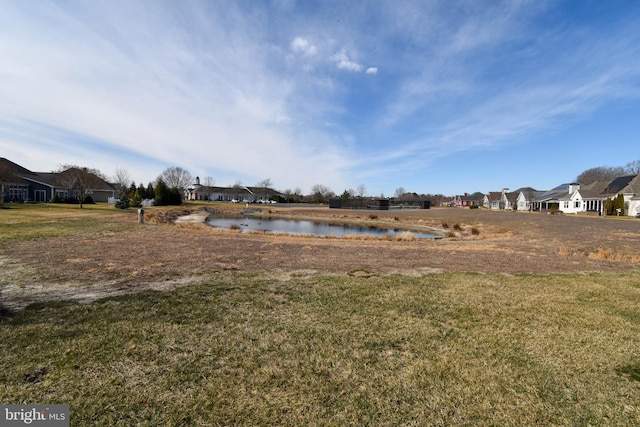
[{"x": 432, "y": 96}]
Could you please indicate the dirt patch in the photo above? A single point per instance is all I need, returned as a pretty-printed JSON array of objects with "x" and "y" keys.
[{"x": 160, "y": 255}]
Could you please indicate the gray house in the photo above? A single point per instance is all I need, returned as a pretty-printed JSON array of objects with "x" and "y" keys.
[{"x": 22, "y": 185}]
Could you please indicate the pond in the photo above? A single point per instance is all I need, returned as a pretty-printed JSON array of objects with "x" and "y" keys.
[{"x": 289, "y": 226}]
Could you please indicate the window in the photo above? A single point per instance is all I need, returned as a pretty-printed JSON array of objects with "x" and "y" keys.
[
  {"x": 566, "y": 205},
  {"x": 17, "y": 194},
  {"x": 577, "y": 204}
]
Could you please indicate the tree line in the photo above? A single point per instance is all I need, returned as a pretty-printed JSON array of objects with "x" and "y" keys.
[
  {"x": 607, "y": 173},
  {"x": 169, "y": 186}
]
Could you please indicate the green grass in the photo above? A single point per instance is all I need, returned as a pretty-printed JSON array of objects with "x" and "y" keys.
[{"x": 242, "y": 349}]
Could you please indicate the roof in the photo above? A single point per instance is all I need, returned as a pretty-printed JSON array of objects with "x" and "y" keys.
[
  {"x": 475, "y": 197},
  {"x": 512, "y": 196},
  {"x": 235, "y": 190},
  {"x": 12, "y": 172},
  {"x": 67, "y": 178},
  {"x": 617, "y": 185}
]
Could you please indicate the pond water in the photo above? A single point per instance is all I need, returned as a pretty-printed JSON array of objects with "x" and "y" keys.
[{"x": 289, "y": 226}]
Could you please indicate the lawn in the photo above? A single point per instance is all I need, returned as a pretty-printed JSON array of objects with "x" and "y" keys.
[
  {"x": 299, "y": 347},
  {"x": 241, "y": 349},
  {"x": 20, "y": 222}
]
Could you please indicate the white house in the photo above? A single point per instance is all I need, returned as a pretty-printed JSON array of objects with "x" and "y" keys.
[
  {"x": 525, "y": 198},
  {"x": 576, "y": 198},
  {"x": 634, "y": 206}
]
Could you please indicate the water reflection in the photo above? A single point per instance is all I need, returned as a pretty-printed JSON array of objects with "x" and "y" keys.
[{"x": 290, "y": 226}]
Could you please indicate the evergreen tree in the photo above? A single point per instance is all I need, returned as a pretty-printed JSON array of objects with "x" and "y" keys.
[
  {"x": 618, "y": 203},
  {"x": 161, "y": 194},
  {"x": 132, "y": 190},
  {"x": 166, "y": 196},
  {"x": 151, "y": 192}
]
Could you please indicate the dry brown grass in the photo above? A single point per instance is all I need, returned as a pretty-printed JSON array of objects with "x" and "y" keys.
[
  {"x": 302, "y": 348},
  {"x": 609, "y": 255},
  {"x": 257, "y": 329}
]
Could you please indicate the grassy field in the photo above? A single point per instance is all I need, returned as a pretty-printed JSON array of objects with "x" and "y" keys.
[
  {"x": 20, "y": 222},
  {"x": 241, "y": 348}
]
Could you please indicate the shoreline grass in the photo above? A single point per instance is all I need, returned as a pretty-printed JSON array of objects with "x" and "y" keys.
[{"x": 246, "y": 349}]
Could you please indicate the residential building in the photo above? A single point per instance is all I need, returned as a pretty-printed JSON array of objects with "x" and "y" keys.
[{"x": 23, "y": 185}]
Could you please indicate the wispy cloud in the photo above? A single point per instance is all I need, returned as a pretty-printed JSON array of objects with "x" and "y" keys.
[
  {"x": 203, "y": 99},
  {"x": 246, "y": 93}
]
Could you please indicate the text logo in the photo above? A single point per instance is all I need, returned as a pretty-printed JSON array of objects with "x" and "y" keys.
[{"x": 34, "y": 415}]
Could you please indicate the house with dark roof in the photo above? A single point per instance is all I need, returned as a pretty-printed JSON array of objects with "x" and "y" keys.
[
  {"x": 499, "y": 199},
  {"x": 577, "y": 198},
  {"x": 468, "y": 200},
  {"x": 525, "y": 198},
  {"x": 15, "y": 188},
  {"x": 556, "y": 197},
  {"x": 629, "y": 187},
  {"x": 22, "y": 185},
  {"x": 237, "y": 193}
]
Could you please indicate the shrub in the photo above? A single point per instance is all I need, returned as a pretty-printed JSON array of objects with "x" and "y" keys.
[
  {"x": 406, "y": 236},
  {"x": 89, "y": 201},
  {"x": 457, "y": 227},
  {"x": 56, "y": 199},
  {"x": 373, "y": 216},
  {"x": 445, "y": 225},
  {"x": 123, "y": 203},
  {"x": 475, "y": 231},
  {"x": 136, "y": 202}
]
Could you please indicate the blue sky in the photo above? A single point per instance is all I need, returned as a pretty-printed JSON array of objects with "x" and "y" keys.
[{"x": 431, "y": 96}]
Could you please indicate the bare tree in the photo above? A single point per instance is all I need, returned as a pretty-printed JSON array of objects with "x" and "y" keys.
[
  {"x": 122, "y": 180},
  {"x": 400, "y": 191},
  {"x": 601, "y": 173},
  {"x": 293, "y": 195},
  {"x": 265, "y": 183},
  {"x": 207, "y": 187},
  {"x": 361, "y": 190},
  {"x": 633, "y": 168},
  {"x": 321, "y": 193},
  {"x": 78, "y": 180},
  {"x": 176, "y": 177}
]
